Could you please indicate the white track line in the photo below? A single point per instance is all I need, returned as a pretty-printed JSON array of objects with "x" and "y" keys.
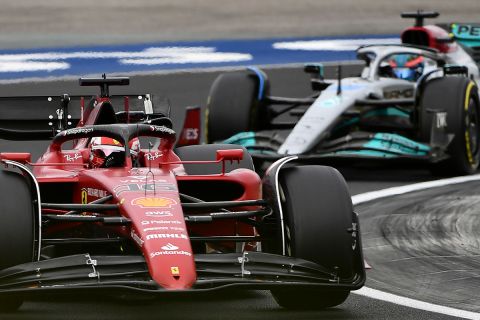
[
  {"x": 399, "y": 300},
  {"x": 416, "y": 304}
]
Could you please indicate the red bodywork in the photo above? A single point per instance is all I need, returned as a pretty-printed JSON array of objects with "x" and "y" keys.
[
  {"x": 147, "y": 195},
  {"x": 430, "y": 36}
]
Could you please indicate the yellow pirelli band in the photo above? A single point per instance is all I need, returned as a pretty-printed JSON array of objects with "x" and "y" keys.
[{"x": 467, "y": 133}]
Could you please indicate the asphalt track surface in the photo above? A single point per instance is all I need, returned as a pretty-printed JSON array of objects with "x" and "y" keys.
[
  {"x": 425, "y": 245},
  {"x": 390, "y": 227}
]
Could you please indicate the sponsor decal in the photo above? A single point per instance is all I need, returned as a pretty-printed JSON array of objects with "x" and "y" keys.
[
  {"x": 77, "y": 131},
  {"x": 191, "y": 134},
  {"x": 162, "y": 129},
  {"x": 155, "y": 229},
  {"x": 441, "y": 120},
  {"x": 166, "y": 236},
  {"x": 95, "y": 192},
  {"x": 170, "y": 253},
  {"x": 121, "y": 189},
  {"x": 84, "y": 196},
  {"x": 152, "y": 222},
  {"x": 159, "y": 213},
  {"x": 163, "y": 228},
  {"x": 141, "y": 178},
  {"x": 137, "y": 186},
  {"x": 175, "y": 271},
  {"x": 136, "y": 238},
  {"x": 330, "y": 103},
  {"x": 346, "y": 87},
  {"x": 396, "y": 94},
  {"x": 354, "y": 236},
  {"x": 71, "y": 158},
  {"x": 177, "y": 229},
  {"x": 157, "y": 202},
  {"x": 466, "y": 31},
  {"x": 153, "y": 156},
  {"x": 169, "y": 247}
]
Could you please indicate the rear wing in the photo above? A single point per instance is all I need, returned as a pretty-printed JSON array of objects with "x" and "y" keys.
[{"x": 41, "y": 117}]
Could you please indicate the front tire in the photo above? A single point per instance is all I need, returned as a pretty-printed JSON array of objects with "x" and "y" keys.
[
  {"x": 17, "y": 224},
  {"x": 318, "y": 213},
  {"x": 458, "y": 97}
]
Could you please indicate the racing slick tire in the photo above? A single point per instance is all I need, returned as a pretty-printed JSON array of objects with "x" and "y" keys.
[
  {"x": 207, "y": 152},
  {"x": 317, "y": 233},
  {"x": 233, "y": 106},
  {"x": 458, "y": 97},
  {"x": 16, "y": 228}
]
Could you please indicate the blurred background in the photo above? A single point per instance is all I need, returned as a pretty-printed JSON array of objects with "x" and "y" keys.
[{"x": 61, "y": 23}]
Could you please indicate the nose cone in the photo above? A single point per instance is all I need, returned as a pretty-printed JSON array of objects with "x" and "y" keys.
[
  {"x": 159, "y": 230},
  {"x": 170, "y": 260}
]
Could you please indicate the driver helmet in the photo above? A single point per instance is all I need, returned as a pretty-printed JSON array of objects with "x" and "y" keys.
[
  {"x": 107, "y": 152},
  {"x": 407, "y": 66}
]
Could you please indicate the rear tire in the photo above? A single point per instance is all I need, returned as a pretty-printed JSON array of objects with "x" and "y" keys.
[
  {"x": 458, "y": 96},
  {"x": 17, "y": 224},
  {"x": 233, "y": 106},
  {"x": 318, "y": 212}
]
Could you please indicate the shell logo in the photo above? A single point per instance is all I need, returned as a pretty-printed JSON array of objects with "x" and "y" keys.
[{"x": 157, "y": 202}]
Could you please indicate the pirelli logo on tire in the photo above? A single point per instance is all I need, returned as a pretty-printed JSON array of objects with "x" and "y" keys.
[{"x": 441, "y": 120}]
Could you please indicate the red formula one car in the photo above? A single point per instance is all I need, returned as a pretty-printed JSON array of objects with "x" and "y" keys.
[{"x": 113, "y": 204}]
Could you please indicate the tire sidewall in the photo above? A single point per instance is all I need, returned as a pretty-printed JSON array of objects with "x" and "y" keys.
[
  {"x": 318, "y": 211},
  {"x": 16, "y": 220},
  {"x": 453, "y": 95}
]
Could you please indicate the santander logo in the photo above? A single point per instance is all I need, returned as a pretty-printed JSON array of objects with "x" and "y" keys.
[{"x": 169, "y": 247}]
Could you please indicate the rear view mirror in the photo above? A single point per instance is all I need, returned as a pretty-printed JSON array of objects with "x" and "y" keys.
[
  {"x": 230, "y": 154},
  {"x": 22, "y": 157}
]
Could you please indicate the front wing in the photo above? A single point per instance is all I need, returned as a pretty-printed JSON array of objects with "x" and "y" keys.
[{"x": 253, "y": 270}]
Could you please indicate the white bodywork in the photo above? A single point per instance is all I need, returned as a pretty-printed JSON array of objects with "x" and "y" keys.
[{"x": 316, "y": 123}]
